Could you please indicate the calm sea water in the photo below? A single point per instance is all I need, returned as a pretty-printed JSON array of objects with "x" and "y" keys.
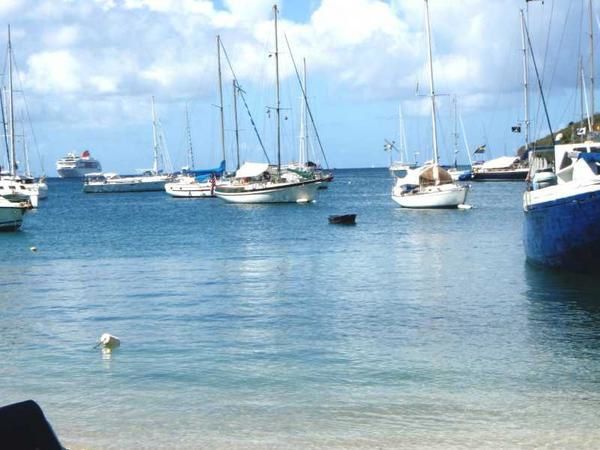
[{"x": 250, "y": 326}]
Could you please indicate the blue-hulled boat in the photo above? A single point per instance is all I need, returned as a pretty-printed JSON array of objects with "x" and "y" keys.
[{"x": 562, "y": 208}]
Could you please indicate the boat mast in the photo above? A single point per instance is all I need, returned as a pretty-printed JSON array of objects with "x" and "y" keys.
[
  {"x": 455, "y": 134},
  {"x": 189, "y": 136},
  {"x": 155, "y": 139},
  {"x": 302, "y": 157},
  {"x": 592, "y": 106},
  {"x": 237, "y": 131},
  {"x": 277, "y": 100},
  {"x": 11, "y": 113},
  {"x": 525, "y": 81},
  {"x": 432, "y": 90},
  {"x": 221, "y": 97}
]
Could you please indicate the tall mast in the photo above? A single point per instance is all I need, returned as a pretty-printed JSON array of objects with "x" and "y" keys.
[
  {"x": 277, "y": 101},
  {"x": 155, "y": 140},
  {"x": 221, "y": 98},
  {"x": 303, "y": 158},
  {"x": 11, "y": 113},
  {"x": 592, "y": 106},
  {"x": 455, "y": 134},
  {"x": 432, "y": 90},
  {"x": 525, "y": 81},
  {"x": 237, "y": 131},
  {"x": 189, "y": 136}
]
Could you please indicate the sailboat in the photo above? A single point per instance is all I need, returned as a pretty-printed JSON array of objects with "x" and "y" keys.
[
  {"x": 399, "y": 168},
  {"x": 194, "y": 183},
  {"x": 429, "y": 186},
  {"x": 263, "y": 183},
  {"x": 13, "y": 186},
  {"x": 150, "y": 180},
  {"x": 562, "y": 201},
  {"x": 304, "y": 163},
  {"x": 459, "y": 174}
]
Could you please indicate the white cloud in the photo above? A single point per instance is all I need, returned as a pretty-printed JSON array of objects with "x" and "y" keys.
[{"x": 54, "y": 71}]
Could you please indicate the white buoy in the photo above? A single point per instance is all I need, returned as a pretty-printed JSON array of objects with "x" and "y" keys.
[
  {"x": 109, "y": 341},
  {"x": 33, "y": 249},
  {"x": 464, "y": 206}
]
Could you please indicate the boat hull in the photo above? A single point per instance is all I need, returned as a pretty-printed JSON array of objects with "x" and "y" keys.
[
  {"x": 562, "y": 233},
  {"x": 74, "y": 172},
  {"x": 501, "y": 175},
  {"x": 303, "y": 192},
  {"x": 433, "y": 197},
  {"x": 11, "y": 217},
  {"x": 135, "y": 186},
  {"x": 190, "y": 190}
]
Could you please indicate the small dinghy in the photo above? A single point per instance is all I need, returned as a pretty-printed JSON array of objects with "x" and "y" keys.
[{"x": 343, "y": 219}]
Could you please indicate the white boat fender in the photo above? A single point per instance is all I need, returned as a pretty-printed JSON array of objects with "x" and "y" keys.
[
  {"x": 108, "y": 341},
  {"x": 465, "y": 206},
  {"x": 33, "y": 249}
]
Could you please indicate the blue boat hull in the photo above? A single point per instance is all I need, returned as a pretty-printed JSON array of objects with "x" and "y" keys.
[{"x": 564, "y": 233}]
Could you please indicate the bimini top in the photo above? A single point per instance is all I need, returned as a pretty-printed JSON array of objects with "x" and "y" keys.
[
  {"x": 250, "y": 170},
  {"x": 504, "y": 162}
]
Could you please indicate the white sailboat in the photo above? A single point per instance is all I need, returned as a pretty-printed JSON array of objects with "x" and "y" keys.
[
  {"x": 202, "y": 183},
  {"x": 13, "y": 186},
  {"x": 261, "y": 183},
  {"x": 429, "y": 186},
  {"x": 151, "y": 180},
  {"x": 399, "y": 168}
]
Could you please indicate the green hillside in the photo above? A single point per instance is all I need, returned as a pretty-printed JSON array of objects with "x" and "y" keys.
[{"x": 568, "y": 134}]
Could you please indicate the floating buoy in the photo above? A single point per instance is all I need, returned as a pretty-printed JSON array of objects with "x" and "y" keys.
[
  {"x": 464, "y": 206},
  {"x": 33, "y": 249},
  {"x": 108, "y": 341}
]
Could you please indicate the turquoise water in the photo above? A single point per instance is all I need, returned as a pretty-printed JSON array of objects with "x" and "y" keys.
[{"x": 249, "y": 326}]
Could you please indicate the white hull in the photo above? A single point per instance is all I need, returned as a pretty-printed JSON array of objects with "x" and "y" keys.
[
  {"x": 191, "y": 189},
  {"x": 15, "y": 189},
  {"x": 11, "y": 215},
  {"x": 442, "y": 196},
  {"x": 131, "y": 184},
  {"x": 303, "y": 192},
  {"x": 76, "y": 173}
]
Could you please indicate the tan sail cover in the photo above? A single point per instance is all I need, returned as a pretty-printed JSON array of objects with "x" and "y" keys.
[{"x": 434, "y": 174}]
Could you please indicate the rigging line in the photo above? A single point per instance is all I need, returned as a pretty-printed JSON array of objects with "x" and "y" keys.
[
  {"x": 4, "y": 124},
  {"x": 241, "y": 92},
  {"x": 537, "y": 75},
  {"x": 546, "y": 49},
  {"x": 312, "y": 120},
  {"x": 29, "y": 121}
]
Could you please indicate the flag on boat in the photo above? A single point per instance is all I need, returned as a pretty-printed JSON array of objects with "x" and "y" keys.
[
  {"x": 480, "y": 149},
  {"x": 581, "y": 131},
  {"x": 516, "y": 129}
]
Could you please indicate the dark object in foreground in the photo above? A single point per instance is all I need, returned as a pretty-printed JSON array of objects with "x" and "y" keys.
[
  {"x": 23, "y": 426},
  {"x": 343, "y": 219}
]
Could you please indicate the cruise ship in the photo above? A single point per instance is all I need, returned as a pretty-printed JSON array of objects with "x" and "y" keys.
[{"x": 73, "y": 166}]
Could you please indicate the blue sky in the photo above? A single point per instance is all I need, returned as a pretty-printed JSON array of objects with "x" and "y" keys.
[{"x": 88, "y": 69}]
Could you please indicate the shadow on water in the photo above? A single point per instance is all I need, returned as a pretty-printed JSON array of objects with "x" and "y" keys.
[{"x": 564, "y": 308}]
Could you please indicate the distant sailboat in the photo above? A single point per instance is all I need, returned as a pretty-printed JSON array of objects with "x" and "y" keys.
[
  {"x": 151, "y": 180},
  {"x": 400, "y": 167},
  {"x": 429, "y": 186}
]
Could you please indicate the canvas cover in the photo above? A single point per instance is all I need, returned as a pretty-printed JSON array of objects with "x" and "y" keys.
[
  {"x": 251, "y": 169},
  {"x": 504, "y": 162}
]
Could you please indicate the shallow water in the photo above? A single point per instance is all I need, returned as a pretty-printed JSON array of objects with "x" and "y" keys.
[{"x": 252, "y": 326}]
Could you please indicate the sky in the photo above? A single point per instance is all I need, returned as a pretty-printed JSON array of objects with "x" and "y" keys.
[{"x": 86, "y": 71}]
